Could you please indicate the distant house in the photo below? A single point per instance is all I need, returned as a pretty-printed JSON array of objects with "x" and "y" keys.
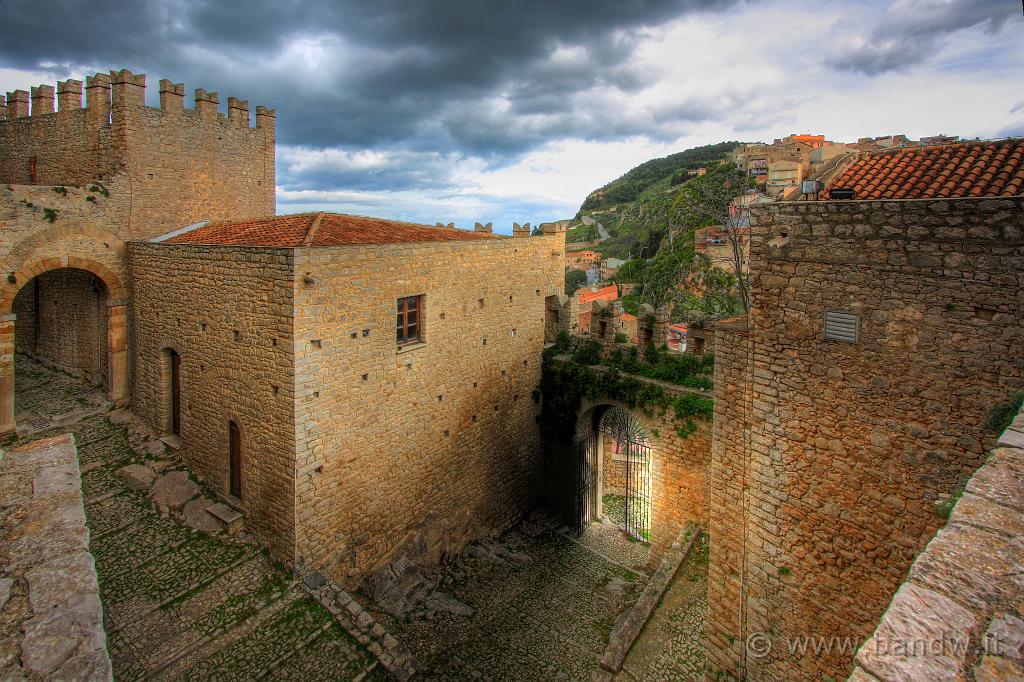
[
  {"x": 783, "y": 176},
  {"x": 610, "y": 266},
  {"x": 676, "y": 338},
  {"x": 581, "y": 260}
]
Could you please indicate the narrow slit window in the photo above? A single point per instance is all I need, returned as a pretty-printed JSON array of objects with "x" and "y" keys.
[{"x": 408, "y": 327}]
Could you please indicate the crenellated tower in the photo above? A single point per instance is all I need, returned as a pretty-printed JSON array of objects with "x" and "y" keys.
[{"x": 168, "y": 165}]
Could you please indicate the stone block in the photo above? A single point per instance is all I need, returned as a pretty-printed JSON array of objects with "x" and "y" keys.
[
  {"x": 229, "y": 518},
  {"x": 917, "y": 617},
  {"x": 171, "y": 491},
  {"x": 137, "y": 477},
  {"x": 197, "y": 517}
]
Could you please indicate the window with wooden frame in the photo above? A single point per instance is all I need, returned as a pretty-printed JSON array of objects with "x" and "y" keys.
[{"x": 410, "y": 320}]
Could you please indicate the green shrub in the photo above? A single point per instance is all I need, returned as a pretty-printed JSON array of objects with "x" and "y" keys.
[
  {"x": 621, "y": 338},
  {"x": 1001, "y": 416},
  {"x": 587, "y": 353}
]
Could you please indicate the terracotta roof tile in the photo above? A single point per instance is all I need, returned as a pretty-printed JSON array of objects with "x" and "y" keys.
[
  {"x": 608, "y": 293},
  {"x": 320, "y": 229},
  {"x": 966, "y": 169}
]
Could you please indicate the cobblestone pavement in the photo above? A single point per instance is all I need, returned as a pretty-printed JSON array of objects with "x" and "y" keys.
[
  {"x": 671, "y": 646},
  {"x": 536, "y": 605},
  {"x": 612, "y": 542},
  {"x": 179, "y": 603}
]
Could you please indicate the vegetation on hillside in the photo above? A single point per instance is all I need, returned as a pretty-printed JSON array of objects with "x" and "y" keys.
[
  {"x": 671, "y": 271},
  {"x": 668, "y": 170},
  {"x": 582, "y": 233}
]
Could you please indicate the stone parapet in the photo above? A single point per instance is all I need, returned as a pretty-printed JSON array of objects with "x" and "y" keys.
[
  {"x": 957, "y": 617},
  {"x": 52, "y": 618}
]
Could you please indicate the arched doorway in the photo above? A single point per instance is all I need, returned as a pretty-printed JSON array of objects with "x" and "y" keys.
[
  {"x": 69, "y": 312},
  {"x": 613, "y": 472},
  {"x": 626, "y": 473},
  {"x": 62, "y": 322}
]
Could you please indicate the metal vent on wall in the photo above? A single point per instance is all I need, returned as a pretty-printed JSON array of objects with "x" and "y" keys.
[{"x": 841, "y": 326}]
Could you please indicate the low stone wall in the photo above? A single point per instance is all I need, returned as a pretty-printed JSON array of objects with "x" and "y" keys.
[
  {"x": 958, "y": 616},
  {"x": 51, "y": 619},
  {"x": 628, "y": 629}
]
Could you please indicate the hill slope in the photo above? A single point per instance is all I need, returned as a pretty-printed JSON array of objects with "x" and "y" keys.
[{"x": 629, "y": 186}]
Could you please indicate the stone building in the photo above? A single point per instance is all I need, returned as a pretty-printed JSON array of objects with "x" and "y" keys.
[
  {"x": 359, "y": 388},
  {"x": 77, "y": 183},
  {"x": 849, "y": 406},
  {"x": 358, "y": 443}
]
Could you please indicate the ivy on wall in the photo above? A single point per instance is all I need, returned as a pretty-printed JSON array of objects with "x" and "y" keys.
[{"x": 565, "y": 383}]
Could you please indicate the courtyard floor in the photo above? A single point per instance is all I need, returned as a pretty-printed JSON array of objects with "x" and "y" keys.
[
  {"x": 179, "y": 603},
  {"x": 672, "y": 645},
  {"x": 534, "y": 605}
]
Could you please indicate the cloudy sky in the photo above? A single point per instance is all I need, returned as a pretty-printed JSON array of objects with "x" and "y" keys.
[{"x": 455, "y": 110}]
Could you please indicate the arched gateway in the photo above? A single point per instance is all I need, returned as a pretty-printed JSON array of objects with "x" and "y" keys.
[
  {"x": 613, "y": 471},
  {"x": 73, "y": 313}
]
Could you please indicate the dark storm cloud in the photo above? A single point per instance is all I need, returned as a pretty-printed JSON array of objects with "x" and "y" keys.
[
  {"x": 911, "y": 31},
  {"x": 418, "y": 74}
]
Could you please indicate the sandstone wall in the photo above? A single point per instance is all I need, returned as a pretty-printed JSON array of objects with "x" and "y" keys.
[
  {"x": 227, "y": 311},
  {"x": 174, "y": 166},
  {"x": 728, "y": 512},
  {"x": 406, "y": 454},
  {"x": 958, "y": 616},
  {"x": 852, "y": 444}
]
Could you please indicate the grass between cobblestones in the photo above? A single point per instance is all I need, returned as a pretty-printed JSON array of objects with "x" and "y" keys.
[{"x": 178, "y": 603}]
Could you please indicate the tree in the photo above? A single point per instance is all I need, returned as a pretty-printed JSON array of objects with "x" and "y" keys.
[
  {"x": 574, "y": 279},
  {"x": 719, "y": 203}
]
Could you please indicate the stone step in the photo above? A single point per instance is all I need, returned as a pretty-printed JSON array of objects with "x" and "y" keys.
[
  {"x": 241, "y": 652},
  {"x": 228, "y": 518}
]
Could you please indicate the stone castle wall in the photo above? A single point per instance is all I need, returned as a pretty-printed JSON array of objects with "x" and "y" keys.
[
  {"x": 407, "y": 454},
  {"x": 174, "y": 166},
  {"x": 227, "y": 311},
  {"x": 141, "y": 171},
  {"x": 851, "y": 444},
  {"x": 958, "y": 614},
  {"x": 728, "y": 512}
]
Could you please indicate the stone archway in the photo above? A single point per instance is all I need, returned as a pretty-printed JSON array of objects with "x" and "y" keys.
[
  {"x": 116, "y": 328},
  {"x": 623, "y": 464}
]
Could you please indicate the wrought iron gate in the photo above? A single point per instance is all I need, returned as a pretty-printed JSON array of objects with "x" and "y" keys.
[
  {"x": 638, "y": 490},
  {"x": 586, "y": 483},
  {"x": 628, "y": 433}
]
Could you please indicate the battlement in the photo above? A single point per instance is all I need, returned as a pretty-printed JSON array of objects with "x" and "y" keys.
[
  {"x": 181, "y": 164},
  {"x": 110, "y": 96}
]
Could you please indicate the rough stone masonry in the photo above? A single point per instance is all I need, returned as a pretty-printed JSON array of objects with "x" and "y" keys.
[{"x": 829, "y": 456}]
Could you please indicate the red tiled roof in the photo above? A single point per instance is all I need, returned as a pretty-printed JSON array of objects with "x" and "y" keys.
[
  {"x": 319, "y": 229},
  {"x": 970, "y": 169},
  {"x": 608, "y": 293}
]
